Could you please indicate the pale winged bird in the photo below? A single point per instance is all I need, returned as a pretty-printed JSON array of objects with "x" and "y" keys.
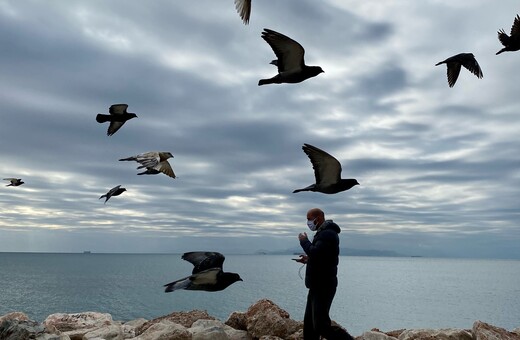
[
  {"x": 290, "y": 62},
  {"x": 207, "y": 273},
  {"x": 154, "y": 162},
  {"x": 117, "y": 117},
  {"x": 244, "y": 9},
  {"x": 511, "y": 42},
  {"x": 454, "y": 63},
  {"x": 115, "y": 191},
  {"x": 14, "y": 182},
  {"x": 327, "y": 171}
]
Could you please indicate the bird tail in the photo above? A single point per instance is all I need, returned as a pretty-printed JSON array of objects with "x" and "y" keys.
[
  {"x": 179, "y": 284},
  {"x": 502, "y": 50},
  {"x": 265, "y": 82},
  {"x": 129, "y": 159},
  {"x": 101, "y": 118},
  {"x": 309, "y": 188},
  {"x": 440, "y": 62}
]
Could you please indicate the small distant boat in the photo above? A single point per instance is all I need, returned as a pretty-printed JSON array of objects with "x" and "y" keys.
[{"x": 87, "y": 252}]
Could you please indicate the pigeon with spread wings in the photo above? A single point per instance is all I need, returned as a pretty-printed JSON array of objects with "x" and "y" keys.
[
  {"x": 117, "y": 117},
  {"x": 511, "y": 42},
  {"x": 454, "y": 64},
  {"x": 290, "y": 62},
  {"x": 244, "y": 9},
  {"x": 154, "y": 162},
  {"x": 14, "y": 182},
  {"x": 207, "y": 273},
  {"x": 115, "y": 191},
  {"x": 327, "y": 171}
]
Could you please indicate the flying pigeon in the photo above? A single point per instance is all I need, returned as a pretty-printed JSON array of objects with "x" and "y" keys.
[
  {"x": 14, "y": 182},
  {"x": 117, "y": 117},
  {"x": 327, "y": 171},
  {"x": 454, "y": 63},
  {"x": 154, "y": 162},
  {"x": 207, "y": 273},
  {"x": 115, "y": 191},
  {"x": 244, "y": 9},
  {"x": 290, "y": 62},
  {"x": 512, "y": 42}
]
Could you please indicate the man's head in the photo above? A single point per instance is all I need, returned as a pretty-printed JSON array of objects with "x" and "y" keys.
[{"x": 317, "y": 216}]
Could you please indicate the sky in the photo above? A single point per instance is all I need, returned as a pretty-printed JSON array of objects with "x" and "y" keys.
[{"x": 438, "y": 167}]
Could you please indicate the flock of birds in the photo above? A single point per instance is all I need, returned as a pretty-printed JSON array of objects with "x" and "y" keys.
[{"x": 208, "y": 271}]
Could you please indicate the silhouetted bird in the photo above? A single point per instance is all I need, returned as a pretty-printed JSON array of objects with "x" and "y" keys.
[
  {"x": 207, "y": 273},
  {"x": 327, "y": 171},
  {"x": 14, "y": 182},
  {"x": 511, "y": 42},
  {"x": 290, "y": 62},
  {"x": 154, "y": 162},
  {"x": 244, "y": 9},
  {"x": 454, "y": 63},
  {"x": 117, "y": 117},
  {"x": 115, "y": 191}
]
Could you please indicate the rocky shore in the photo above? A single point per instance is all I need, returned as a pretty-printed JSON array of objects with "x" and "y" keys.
[{"x": 263, "y": 320}]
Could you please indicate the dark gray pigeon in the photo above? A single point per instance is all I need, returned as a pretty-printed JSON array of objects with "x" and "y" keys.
[
  {"x": 117, "y": 117},
  {"x": 115, "y": 191},
  {"x": 290, "y": 62},
  {"x": 244, "y": 9},
  {"x": 511, "y": 42},
  {"x": 327, "y": 171},
  {"x": 14, "y": 182},
  {"x": 207, "y": 273},
  {"x": 454, "y": 63},
  {"x": 154, "y": 162}
]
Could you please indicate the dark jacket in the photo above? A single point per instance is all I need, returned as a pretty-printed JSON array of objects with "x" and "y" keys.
[{"x": 323, "y": 253}]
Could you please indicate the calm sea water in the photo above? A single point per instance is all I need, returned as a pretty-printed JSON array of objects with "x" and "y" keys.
[{"x": 387, "y": 293}]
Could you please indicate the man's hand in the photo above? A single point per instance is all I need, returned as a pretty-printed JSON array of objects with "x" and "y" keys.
[
  {"x": 303, "y": 259},
  {"x": 302, "y": 236}
]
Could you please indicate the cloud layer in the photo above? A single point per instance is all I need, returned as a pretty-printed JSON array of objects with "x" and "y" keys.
[{"x": 439, "y": 167}]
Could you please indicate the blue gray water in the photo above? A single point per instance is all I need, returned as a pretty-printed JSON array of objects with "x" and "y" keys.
[{"x": 387, "y": 293}]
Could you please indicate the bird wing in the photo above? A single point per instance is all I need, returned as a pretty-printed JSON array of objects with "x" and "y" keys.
[
  {"x": 289, "y": 52},
  {"x": 244, "y": 9},
  {"x": 472, "y": 65},
  {"x": 113, "y": 190},
  {"x": 503, "y": 37},
  {"x": 113, "y": 127},
  {"x": 515, "y": 29},
  {"x": 165, "y": 168},
  {"x": 203, "y": 260},
  {"x": 206, "y": 277},
  {"x": 148, "y": 159},
  {"x": 453, "y": 72},
  {"x": 117, "y": 109},
  {"x": 327, "y": 169}
]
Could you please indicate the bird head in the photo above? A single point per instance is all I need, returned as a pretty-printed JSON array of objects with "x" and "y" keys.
[{"x": 168, "y": 154}]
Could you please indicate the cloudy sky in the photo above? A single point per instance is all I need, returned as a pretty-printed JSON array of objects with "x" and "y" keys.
[{"x": 439, "y": 167}]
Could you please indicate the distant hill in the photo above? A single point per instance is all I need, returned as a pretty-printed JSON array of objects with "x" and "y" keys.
[{"x": 342, "y": 251}]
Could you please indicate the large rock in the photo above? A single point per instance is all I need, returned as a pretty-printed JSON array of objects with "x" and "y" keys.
[
  {"x": 484, "y": 331},
  {"x": 375, "y": 335},
  {"x": 14, "y": 329},
  {"x": 107, "y": 332},
  {"x": 14, "y": 316},
  {"x": 130, "y": 327},
  {"x": 185, "y": 319},
  {"x": 435, "y": 334},
  {"x": 237, "y": 320},
  {"x": 165, "y": 330},
  {"x": 76, "y": 325},
  {"x": 266, "y": 318},
  {"x": 208, "y": 330}
]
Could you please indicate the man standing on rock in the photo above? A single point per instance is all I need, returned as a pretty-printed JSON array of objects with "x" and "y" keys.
[{"x": 322, "y": 257}]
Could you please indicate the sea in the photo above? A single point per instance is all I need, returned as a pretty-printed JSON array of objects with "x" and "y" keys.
[{"x": 388, "y": 293}]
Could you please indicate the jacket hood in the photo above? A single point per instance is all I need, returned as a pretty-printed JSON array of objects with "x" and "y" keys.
[{"x": 329, "y": 224}]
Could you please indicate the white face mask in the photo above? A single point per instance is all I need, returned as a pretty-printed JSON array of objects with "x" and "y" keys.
[{"x": 311, "y": 224}]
